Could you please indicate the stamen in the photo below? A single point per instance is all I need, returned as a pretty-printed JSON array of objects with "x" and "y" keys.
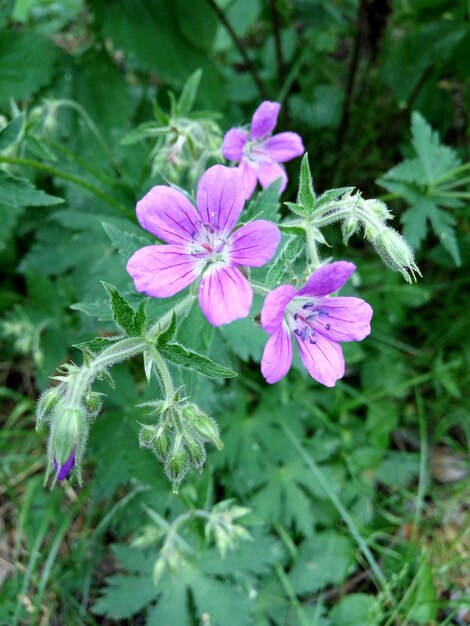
[
  {"x": 307, "y": 305},
  {"x": 327, "y": 326}
]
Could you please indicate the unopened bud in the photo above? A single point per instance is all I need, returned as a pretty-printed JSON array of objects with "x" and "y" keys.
[
  {"x": 205, "y": 426},
  {"x": 68, "y": 435},
  {"x": 176, "y": 463},
  {"x": 349, "y": 227},
  {"x": 93, "y": 403},
  {"x": 161, "y": 444},
  {"x": 195, "y": 449},
  {"x": 396, "y": 253},
  {"x": 378, "y": 208},
  {"x": 46, "y": 404},
  {"x": 147, "y": 435}
]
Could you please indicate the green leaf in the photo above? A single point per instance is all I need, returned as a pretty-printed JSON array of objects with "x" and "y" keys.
[
  {"x": 306, "y": 195},
  {"x": 198, "y": 23},
  {"x": 125, "y": 243},
  {"x": 435, "y": 158},
  {"x": 132, "y": 323},
  {"x": 20, "y": 192},
  {"x": 352, "y": 610},
  {"x": 11, "y": 132},
  {"x": 283, "y": 264},
  {"x": 188, "y": 95},
  {"x": 26, "y": 64},
  {"x": 323, "y": 560},
  {"x": 192, "y": 360},
  {"x": 168, "y": 334},
  {"x": 125, "y": 595},
  {"x": 330, "y": 196},
  {"x": 94, "y": 345},
  {"x": 265, "y": 204}
]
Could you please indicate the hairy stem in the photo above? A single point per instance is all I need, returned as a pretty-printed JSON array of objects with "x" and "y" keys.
[{"x": 312, "y": 249}]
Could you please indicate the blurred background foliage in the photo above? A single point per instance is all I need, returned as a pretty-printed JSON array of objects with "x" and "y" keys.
[{"x": 359, "y": 512}]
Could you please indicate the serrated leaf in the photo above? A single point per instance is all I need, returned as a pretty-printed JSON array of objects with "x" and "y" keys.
[
  {"x": 125, "y": 243},
  {"x": 188, "y": 95},
  {"x": 94, "y": 345},
  {"x": 330, "y": 196},
  {"x": 192, "y": 360},
  {"x": 282, "y": 265},
  {"x": 19, "y": 192},
  {"x": 144, "y": 130},
  {"x": 435, "y": 158},
  {"x": 26, "y": 64},
  {"x": 167, "y": 335},
  {"x": 306, "y": 195},
  {"x": 11, "y": 132},
  {"x": 132, "y": 323},
  {"x": 265, "y": 204},
  {"x": 125, "y": 595},
  {"x": 140, "y": 318}
]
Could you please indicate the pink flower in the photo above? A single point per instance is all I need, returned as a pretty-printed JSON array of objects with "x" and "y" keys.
[
  {"x": 317, "y": 321},
  {"x": 259, "y": 152},
  {"x": 202, "y": 241}
]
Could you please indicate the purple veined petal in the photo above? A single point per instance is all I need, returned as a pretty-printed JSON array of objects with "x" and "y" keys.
[
  {"x": 274, "y": 306},
  {"x": 162, "y": 271},
  {"x": 234, "y": 142},
  {"x": 327, "y": 279},
  {"x": 248, "y": 171},
  {"x": 224, "y": 294},
  {"x": 268, "y": 172},
  {"x": 220, "y": 197},
  {"x": 64, "y": 470},
  {"x": 264, "y": 119},
  {"x": 284, "y": 147},
  {"x": 343, "y": 319},
  {"x": 277, "y": 356},
  {"x": 254, "y": 244},
  {"x": 168, "y": 214},
  {"x": 323, "y": 360}
]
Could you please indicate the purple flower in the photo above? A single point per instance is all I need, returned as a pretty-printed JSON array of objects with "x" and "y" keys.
[
  {"x": 202, "y": 241},
  {"x": 259, "y": 152},
  {"x": 317, "y": 321},
  {"x": 62, "y": 471}
]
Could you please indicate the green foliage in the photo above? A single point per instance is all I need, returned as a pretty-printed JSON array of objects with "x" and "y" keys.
[
  {"x": 187, "y": 358},
  {"x": 424, "y": 183},
  {"x": 133, "y": 323}
]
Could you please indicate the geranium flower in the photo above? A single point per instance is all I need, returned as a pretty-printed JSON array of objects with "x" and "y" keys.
[
  {"x": 259, "y": 152},
  {"x": 202, "y": 241},
  {"x": 318, "y": 322}
]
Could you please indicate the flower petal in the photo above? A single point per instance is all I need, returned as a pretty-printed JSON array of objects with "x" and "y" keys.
[
  {"x": 168, "y": 214},
  {"x": 264, "y": 119},
  {"x": 268, "y": 172},
  {"x": 274, "y": 306},
  {"x": 248, "y": 171},
  {"x": 284, "y": 147},
  {"x": 254, "y": 244},
  {"x": 277, "y": 356},
  {"x": 345, "y": 319},
  {"x": 224, "y": 295},
  {"x": 323, "y": 360},
  {"x": 220, "y": 197},
  {"x": 162, "y": 271},
  {"x": 327, "y": 279},
  {"x": 64, "y": 470},
  {"x": 234, "y": 142}
]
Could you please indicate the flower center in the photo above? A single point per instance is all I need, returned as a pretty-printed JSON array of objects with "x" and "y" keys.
[
  {"x": 301, "y": 314},
  {"x": 208, "y": 244},
  {"x": 254, "y": 151}
]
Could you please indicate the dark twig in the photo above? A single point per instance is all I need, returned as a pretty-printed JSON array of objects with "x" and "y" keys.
[
  {"x": 281, "y": 68},
  {"x": 354, "y": 64},
  {"x": 241, "y": 49}
]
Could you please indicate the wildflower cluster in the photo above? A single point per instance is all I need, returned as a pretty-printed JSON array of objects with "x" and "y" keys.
[{"x": 212, "y": 249}]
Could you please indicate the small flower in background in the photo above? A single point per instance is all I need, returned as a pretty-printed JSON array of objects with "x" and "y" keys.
[
  {"x": 259, "y": 152},
  {"x": 201, "y": 241},
  {"x": 317, "y": 321}
]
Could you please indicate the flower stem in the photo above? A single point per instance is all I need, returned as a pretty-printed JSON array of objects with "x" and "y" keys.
[
  {"x": 261, "y": 290},
  {"x": 312, "y": 249},
  {"x": 163, "y": 373}
]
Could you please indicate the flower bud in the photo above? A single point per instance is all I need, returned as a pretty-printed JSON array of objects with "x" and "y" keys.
[
  {"x": 147, "y": 435},
  {"x": 204, "y": 426},
  {"x": 378, "y": 208},
  {"x": 349, "y": 227},
  {"x": 161, "y": 444},
  {"x": 46, "y": 404},
  {"x": 93, "y": 403},
  {"x": 396, "y": 253},
  {"x": 176, "y": 463},
  {"x": 67, "y": 439},
  {"x": 195, "y": 449}
]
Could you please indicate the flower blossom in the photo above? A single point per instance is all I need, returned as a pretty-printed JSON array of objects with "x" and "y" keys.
[
  {"x": 259, "y": 152},
  {"x": 62, "y": 471},
  {"x": 317, "y": 321},
  {"x": 202, "y": 242}
]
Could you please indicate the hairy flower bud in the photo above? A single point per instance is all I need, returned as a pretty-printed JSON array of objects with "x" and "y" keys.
[
  {"x": 69, "y": 430},
  {"x": 176, "y": 464},
  {"x": 396, "y": 253},
  {"x": 46, "y": 404},
  {"x": 195, "y": 449},
  {"x": 93, "y": 403},
  {"x": 161, "y": 444},
  {"x": 204, "y": 426}
]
